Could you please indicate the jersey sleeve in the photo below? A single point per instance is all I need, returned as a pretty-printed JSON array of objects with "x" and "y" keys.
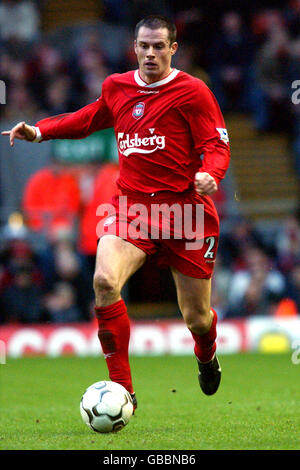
[
  {"x": 208, "y": 131},
  {"x": 79, "y": 124}
]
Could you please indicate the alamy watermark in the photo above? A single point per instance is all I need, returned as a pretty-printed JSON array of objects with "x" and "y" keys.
[
  {"x": 296, "y": 93},
  {"x": 296, "y": 352},
  {"x": 2, "y": 92},
  {"x": 155, "y": 221}
]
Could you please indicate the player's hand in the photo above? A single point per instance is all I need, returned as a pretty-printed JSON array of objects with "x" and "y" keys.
[
  {"x": 21, "y": 131},
  {"x": 205, "y": 184}
]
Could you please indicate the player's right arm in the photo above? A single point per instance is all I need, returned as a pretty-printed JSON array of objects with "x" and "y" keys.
[
  {"x": 21, "y": 131},
  {"x": 77, "y": 125}
]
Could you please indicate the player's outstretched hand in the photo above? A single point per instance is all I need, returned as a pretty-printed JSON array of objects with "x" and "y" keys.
[
  {"x": 21, "y": 131},
  {"x": 205, "y": 184}
]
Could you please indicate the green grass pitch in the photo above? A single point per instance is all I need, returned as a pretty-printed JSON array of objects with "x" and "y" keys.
[{"x": 256, "y": 407}]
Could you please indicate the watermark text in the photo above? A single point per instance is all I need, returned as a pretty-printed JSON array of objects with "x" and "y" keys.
[{"x": 154, "y": 221}]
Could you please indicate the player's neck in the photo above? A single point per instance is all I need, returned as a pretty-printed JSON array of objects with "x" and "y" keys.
[{"x": 148, "y": 80}]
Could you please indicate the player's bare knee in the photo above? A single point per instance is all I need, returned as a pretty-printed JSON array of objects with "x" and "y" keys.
[
  {"x": 105, "y": 287},
  {"x": 199, "y": 321}
]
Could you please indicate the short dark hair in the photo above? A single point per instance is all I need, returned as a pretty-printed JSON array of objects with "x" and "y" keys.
[{"x": 156, "y": 22}]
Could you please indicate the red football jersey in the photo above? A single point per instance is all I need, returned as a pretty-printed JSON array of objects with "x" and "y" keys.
[{"x": 166, "y": 131}]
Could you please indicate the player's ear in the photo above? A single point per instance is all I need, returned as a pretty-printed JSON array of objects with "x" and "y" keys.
[
  {"x": 174, "y": 47},
  {"x": 135, "y": 46}
]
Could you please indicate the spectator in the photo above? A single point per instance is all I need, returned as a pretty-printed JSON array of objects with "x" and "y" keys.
[
  {"x": 23, "y": 284},
  {"x": 117, "y": 11},
  {"x": 257, "y": 289},
  {"x": 58, "y": 95},
  {"x": 93, "y": 73},
  {"x": 13, "y": 69},
  {"x": 140, "y": 9},
  {"x": 293, "y": 285},
  {"x": 194, "y": 34},
  {"x": 234, "y": 244},
  {"x": 61, "y": 306},
  {"x": 19, "y": 104},
  {"x": 19, "y": 20},
  {"x": 51, "y": 199},
  {"x": 104, "y": 189},
  {"x": 263, "y": 22},
  {"x": 89, "y": 66},
  {"x": 220, "y": 287},
  {"x": 44, "y": 67},
  {"x": 17, "y": 255},
  {"x": 288, "y": 244},
  {"x": 292, "y": 18},
  {"x": 62, "y": 263},
  {"x": 270, "y": 89},
  {"x": 19, "y": 99},
  {"x": 22, "y": 300},
  {"x": 231, "y": 55}
]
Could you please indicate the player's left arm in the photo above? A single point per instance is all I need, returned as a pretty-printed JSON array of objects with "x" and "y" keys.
[
  {"x": 205, "y": 184},
  {"x": 210, "y": 138}
]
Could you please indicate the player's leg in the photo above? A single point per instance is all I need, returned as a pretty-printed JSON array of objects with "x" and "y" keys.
[
  {"x": 194, "y": 302},
  {"x": 116, "y": 261}
]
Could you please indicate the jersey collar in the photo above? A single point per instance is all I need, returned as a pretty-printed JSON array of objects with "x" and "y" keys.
[{"x": 165, "y": 80}]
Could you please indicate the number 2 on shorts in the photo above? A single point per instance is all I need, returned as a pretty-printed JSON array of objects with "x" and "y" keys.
[{"x": 211, "y": 243}]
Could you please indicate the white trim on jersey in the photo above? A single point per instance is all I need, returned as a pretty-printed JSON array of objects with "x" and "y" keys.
[{"x": 141, "y": 82}]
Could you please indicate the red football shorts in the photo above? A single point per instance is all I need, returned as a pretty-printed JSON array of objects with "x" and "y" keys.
[{"x": 181, "y": 229}]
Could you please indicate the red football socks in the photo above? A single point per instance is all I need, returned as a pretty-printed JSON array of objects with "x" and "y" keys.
[
  {"x": 114, "y": 334},
  {"x": 205, "y": 345}
]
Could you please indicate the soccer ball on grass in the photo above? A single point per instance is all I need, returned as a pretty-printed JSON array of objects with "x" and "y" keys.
[{"x": 106, "y": 406}]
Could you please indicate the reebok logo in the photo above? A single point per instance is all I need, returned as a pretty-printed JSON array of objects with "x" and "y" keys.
[
  {"x": 148, "y": 92},
  {"x": 128, "y": 145},
  {"x": 108, "y": 355}
]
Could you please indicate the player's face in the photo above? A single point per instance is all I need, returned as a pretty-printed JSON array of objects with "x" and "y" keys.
[{"x": 154, "y": 53}]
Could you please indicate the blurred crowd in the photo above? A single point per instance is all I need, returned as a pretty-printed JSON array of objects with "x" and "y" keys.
[
  {"x": 248, "y": 55},
  {"x": 257, "y": 274}
]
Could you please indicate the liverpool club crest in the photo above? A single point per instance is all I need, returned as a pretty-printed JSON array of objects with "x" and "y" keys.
[{"x": 138, "y": 110}]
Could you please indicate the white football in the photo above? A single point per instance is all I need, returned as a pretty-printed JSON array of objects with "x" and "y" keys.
[{"x": 106, "y": 407}]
